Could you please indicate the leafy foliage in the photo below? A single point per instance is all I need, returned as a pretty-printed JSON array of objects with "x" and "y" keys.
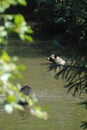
[
  {"x": 65, "y": 19},
  {"x": 5, "y": 4},
  {"x": 10, "y": 93}
]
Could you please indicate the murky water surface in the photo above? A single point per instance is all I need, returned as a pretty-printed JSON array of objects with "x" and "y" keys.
[{"x": 63, "y": 109}]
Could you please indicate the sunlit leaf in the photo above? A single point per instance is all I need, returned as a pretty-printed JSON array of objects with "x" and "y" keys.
[
  {"x": 39, "y": 113},
  {"x": 18, "y": 19},
  {"x": 8, "y": 24},
  {"x": 13, "y": 67},
  {"x": 18, "y": 106},
  {"x": 21, "y": 67},
  {"x": 5, "y": 57},
  {"x": 4, "y": 5},
  {"x": 30, "y": 30},
  {"x": 22, "y": 2},
  {"x": 11, "y": 98},
  {"x": 9, "y": 108},
  {"x": 29, "y": 38},
  {"x": 12, "y": 2},
  {"x": 5, "y": 77}
]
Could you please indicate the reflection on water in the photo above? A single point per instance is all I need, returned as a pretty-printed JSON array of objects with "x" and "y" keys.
[{"x": 64, "y": 112}]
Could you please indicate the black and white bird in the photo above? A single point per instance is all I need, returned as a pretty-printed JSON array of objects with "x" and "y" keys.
[{"x": 56, "y": 59}]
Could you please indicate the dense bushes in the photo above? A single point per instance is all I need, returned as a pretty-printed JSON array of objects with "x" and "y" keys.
[{"x": 67, "y": 18}]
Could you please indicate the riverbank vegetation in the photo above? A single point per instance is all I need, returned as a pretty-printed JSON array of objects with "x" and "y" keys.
[{"x": 63, "y": 22}]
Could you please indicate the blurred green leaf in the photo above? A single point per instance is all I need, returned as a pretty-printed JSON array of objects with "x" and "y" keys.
[
  {"x": 21, "y": 67},
  {"x": 17, "y": 106},
  {"x": 11, "y": 98},
  {"x": 18, "y": 19},
  {"x": 5, "y": 57},
  {"x": 29, "y": 38},
  {"x": 22, "y": 2}
]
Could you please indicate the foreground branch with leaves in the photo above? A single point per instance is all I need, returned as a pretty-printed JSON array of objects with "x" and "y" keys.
[{"x": 10, "y": 93}]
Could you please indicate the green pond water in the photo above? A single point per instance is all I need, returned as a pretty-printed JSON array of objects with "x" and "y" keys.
[{"x": 63, "y": 109}]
